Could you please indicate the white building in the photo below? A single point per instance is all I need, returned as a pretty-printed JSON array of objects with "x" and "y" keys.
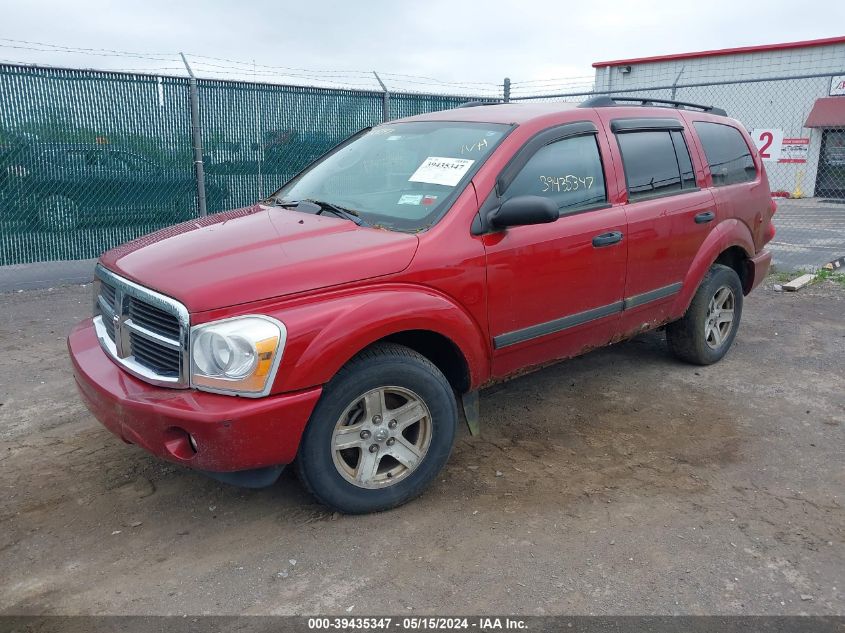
[{"x": 791, "y": 96}]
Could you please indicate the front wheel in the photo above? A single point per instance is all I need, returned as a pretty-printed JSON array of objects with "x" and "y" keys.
[
  {"x": 708, "y": 328},
  {"x": 382, "y": 430}
]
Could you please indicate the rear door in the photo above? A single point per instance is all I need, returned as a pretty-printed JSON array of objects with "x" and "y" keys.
[
  {"x": 556, "y": 289},
  {"x": 736, "y": 175},
  {"x": 669, "y": 216}
]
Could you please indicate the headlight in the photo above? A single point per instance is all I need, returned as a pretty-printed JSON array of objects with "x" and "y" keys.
[{"x": 237, "y": 356}]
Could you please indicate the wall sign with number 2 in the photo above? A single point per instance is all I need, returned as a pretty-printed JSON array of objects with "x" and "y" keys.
[{"x": 769, "y": 142}]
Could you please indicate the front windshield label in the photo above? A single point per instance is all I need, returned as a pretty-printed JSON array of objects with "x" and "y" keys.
[
  {"x": 438, "y": 170},
  {"x": 410, "y": 199}
]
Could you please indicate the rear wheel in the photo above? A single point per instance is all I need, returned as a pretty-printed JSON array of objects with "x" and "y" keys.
[
  {"x": 381, "y": 432},
  {"x": 706, "y": 332}
]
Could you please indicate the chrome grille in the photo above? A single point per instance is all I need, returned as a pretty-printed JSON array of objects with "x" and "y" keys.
[
  {"x": 145, "y": 332},
  {"x": 107, "y": 292},
  {"x": 156, "y": 357},
  {"x": 150, "y": 317}
]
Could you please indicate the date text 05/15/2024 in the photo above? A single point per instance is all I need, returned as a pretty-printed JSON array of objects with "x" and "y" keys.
[{"x": 424, "y": 623}]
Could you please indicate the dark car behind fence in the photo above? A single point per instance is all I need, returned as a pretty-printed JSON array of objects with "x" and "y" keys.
[{"x": 90, "y": 159}]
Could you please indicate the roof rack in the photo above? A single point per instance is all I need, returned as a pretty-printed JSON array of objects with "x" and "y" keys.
[
  {"x": 475, "y": 104},
  {"x": 605, "y": 101}
]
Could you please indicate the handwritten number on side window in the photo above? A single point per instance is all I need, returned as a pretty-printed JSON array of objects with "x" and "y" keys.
[{"x": 565, "y": 184}]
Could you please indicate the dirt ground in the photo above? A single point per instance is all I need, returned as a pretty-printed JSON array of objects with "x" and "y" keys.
[{"x": 622, "y": 482}]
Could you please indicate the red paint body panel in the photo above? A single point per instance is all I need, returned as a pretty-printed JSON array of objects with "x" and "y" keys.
[
  {"x": 539, "y": 273},
  {"x": 759, "y": 267},
  {"x": 232, "y": 433},
  {"x": 338, "y": 287},
  {"x": 257, "y": 253}
]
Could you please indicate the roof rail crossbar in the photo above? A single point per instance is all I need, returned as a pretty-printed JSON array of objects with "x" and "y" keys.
[{"x": 605, "y": 101}]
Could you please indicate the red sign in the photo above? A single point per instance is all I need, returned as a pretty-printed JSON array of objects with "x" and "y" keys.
[{"x": 794, "y": 150}]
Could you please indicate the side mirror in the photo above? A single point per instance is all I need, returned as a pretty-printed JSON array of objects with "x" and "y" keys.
[{"x": 522, "y": 210}]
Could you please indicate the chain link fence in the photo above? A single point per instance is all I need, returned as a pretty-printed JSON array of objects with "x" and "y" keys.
[
  {"x": 89, "y": 160},
  {"x": 805, "y": 165},
  {"x": 92, "y": 159}
]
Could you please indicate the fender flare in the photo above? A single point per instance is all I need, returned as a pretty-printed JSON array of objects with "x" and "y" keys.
[
  {"x": 323, "y": 336},
  {"x": 728, "y": 233}
]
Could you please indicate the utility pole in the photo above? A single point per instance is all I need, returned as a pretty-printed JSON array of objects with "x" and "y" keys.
[
  {"x": 506, "y": 90},
  {"x": 196, "y": 134},
  {"x": 385, "y": 104}
]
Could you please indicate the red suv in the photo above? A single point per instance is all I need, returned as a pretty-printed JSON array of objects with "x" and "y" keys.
[{"x": 337, "y": 324}]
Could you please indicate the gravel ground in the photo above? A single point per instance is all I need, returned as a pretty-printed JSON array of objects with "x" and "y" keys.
[{"x": 621, "y": 482}]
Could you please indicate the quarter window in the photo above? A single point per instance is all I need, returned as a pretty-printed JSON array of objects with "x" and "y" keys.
[
  {"x": 727, "y": 152},
  {"x": 656, "y": 162},
  {"x": 568, "y": 171}
]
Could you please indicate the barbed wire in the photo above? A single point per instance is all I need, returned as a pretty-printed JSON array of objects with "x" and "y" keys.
[
  {"x": 206, "y": 65},
  {"x": 249, "y": 64},
  {"x": 102, "y": 52},
  {"x": 199, "y": 69},
  {"x": 170, "y": 70},
  {"x": 573, "y": 79}
]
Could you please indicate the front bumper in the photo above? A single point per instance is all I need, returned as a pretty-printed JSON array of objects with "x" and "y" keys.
[
  {"x": 758, "y": 267},
  {"x": 231, "y": 433}
]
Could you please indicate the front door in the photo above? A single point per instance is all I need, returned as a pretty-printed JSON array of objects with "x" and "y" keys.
[{"x": 555, "y": 290}]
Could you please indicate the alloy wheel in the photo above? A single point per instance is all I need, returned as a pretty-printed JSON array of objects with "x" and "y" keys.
[
  {"x": 720, "y": 317},
  {"x": 381, "y": 437}
]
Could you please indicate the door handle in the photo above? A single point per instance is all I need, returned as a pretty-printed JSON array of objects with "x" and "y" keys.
[
  {"x": 704, "y": 217},
  {"x": 606, "y": 239}
]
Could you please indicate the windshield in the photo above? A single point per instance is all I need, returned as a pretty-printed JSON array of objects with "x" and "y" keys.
[{"x": 402, "y": 176}]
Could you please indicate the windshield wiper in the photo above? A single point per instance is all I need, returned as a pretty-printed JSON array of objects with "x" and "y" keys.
[
  {"x": 323, "y": 206},
  {"x": 343, "y": 212}
]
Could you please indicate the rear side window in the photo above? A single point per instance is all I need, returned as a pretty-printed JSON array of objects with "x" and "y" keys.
[
  {"x": 727, "y": 152},
  {"x": 656, "y": 162},
  {"x": 569, "y": 171}
]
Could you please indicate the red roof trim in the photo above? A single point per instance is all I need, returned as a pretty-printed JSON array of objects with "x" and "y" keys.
[{"x": 725, "y": 51}]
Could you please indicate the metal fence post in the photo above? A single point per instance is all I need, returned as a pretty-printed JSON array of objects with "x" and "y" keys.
[
  {"x": 506, "y": 90},
  {"x": 196, "y": 134},
  {"x": 385, "y": 104},
  {"x": 677, "y": 79}
]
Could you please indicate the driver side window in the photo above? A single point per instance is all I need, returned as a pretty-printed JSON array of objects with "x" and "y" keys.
[{"x": 568, "y": 171}]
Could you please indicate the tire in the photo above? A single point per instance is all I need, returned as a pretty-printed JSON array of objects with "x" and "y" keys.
[
  {"x": 703, "y": 336},
  {"x": 336, "y": 455},
  {"x": 58, "y": 213}
]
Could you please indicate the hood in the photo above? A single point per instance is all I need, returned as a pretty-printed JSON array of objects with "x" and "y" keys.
[{"x": 258, "y": 253}]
